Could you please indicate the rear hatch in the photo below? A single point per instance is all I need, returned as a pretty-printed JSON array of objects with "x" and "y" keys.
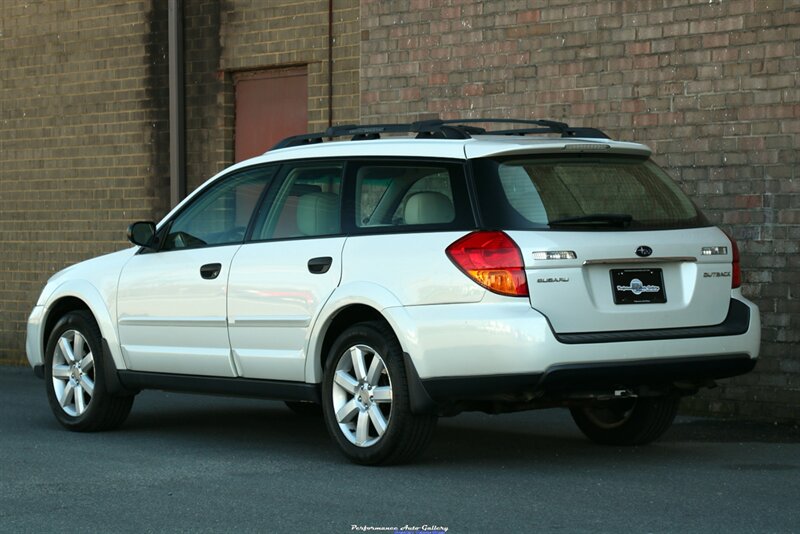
[{"x": 609, "y": 242}]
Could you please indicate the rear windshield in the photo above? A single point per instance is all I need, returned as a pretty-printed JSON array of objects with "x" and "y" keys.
[{"x": 581, "y": 193}]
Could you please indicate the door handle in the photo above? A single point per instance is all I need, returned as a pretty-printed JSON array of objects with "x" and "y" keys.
[
  {"x": 319, "y": 265},
  {"x": 209, "y": 271}
]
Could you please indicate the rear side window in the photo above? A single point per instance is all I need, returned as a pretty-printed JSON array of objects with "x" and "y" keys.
[
  {"x": 408, "y": 195},
  {"x": 307, "y": 204},
  {"x": 581, "y": 193}
]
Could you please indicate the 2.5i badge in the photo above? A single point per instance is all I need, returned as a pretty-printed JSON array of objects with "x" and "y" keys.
[{"x": 638, "y": 286}]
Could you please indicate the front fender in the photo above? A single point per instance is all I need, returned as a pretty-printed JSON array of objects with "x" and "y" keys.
[{"x": 103, "y": 310}]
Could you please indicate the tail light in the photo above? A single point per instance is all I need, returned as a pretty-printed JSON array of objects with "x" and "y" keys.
[
  {"x": 736, "y": 277},
  {"x": 493, "y": 260}
]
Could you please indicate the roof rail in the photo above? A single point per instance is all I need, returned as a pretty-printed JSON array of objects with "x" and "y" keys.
[{"x": 440, "y": 129}]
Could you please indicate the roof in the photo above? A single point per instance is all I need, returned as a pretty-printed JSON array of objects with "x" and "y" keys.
[
  {"x": 469, "y": 143},
  {"x": 475, "y": 147},
  {"x": 450, "y": 139}
]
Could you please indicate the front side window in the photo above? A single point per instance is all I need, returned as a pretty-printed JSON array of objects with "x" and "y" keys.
[
  {"x": 220, "y": 215},
  {"x": 581, "y": 193}
]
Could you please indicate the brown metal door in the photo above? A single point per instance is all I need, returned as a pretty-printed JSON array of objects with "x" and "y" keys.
[{"x": 270, "y": 105}]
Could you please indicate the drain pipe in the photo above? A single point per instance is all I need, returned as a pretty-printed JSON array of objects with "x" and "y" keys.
[
  {"x": 177, "y": 125},
  {"x": 330, "y": 63}
]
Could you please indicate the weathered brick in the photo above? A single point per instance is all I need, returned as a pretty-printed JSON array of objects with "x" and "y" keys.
[
  {"x": 711, "y": 87},
  {"x": 105, "y": 111}
]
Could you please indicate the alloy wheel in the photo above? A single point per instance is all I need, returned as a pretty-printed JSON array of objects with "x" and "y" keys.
[
  {"x": 73, "y": 373},
  {"x": 362, "y": 395}
]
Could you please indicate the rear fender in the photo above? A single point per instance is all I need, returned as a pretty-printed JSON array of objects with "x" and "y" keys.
[{"x": 360, "y": 293}]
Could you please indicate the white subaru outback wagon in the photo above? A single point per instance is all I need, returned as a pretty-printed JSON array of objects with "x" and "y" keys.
[{"x": 410, "y": 272}]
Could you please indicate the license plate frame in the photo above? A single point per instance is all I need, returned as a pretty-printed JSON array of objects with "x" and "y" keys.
[{"x": 638, "y": 286}]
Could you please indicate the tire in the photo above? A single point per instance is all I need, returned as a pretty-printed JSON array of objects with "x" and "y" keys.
[
  {"x": 306, "y": 409},
  {"x": 75, "y": 377},
  {"x": 365, "y": 399},
  {"x": 627, "y": 421}
]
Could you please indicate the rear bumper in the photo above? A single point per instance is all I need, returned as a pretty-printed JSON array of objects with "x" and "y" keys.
[
  {"x": 507, "y": 349},
  {"x": 510, "y": 338}
]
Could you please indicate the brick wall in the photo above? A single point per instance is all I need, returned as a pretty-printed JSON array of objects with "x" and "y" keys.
[
  {"x": 84, "y": 140},
  {"x": 263, "y": 35},
  {"x": 712, "y": 87},
  {"x": 208, "y": 93},
  {"x": 225, "y": 38},
  {"x": 80, "y": 115}
]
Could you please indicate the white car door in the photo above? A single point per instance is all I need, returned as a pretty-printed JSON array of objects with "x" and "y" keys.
[
  {"x": 172, "y": 312},
  {"x": 281, "y": 279},
  {"x": 171, "y": 302}
]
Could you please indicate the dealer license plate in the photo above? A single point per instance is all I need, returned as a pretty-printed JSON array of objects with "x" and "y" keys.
[{"x": 638, "y": 286}]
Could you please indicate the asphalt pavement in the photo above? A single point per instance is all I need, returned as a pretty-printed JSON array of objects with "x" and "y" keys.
[{"x": 187, "y": 463}]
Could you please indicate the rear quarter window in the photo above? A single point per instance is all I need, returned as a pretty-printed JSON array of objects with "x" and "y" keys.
[{"x": 412, "y": 195}]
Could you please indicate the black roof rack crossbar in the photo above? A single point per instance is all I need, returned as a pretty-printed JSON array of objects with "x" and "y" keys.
[
  {"x": 440, "y": 129},
  {"x": 592, "y": 133},
  {"x": 547, "y": 126},
  {"x": 556, "y": 126},
  {"x": 374, "y": 131}
]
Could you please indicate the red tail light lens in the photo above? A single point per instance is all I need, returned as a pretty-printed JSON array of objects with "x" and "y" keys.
[
  {"x": 493, "y": 260},
  {"x": 736, "y": 277}
]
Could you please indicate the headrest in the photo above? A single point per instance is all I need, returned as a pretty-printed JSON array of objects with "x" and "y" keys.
[
  {"x": 318, "y": 214},
  {"x": 428, "y": 208}
]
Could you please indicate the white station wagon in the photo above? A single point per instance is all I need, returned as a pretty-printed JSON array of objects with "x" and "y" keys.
[{"x": 386, "y": 282}]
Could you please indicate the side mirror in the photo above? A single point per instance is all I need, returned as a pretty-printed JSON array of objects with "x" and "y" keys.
[{"x": 142, "y": 233}]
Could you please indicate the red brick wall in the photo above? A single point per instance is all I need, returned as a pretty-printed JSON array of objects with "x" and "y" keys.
[{"x": 712, "y": 87}]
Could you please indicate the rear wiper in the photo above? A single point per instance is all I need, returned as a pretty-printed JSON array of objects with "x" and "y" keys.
[{"x": 610, "y": 219}]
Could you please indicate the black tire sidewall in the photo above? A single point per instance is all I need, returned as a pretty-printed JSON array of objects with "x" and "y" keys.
[
  {"x": 388, "y": 348},
  {"x": 649, "y": 420}
]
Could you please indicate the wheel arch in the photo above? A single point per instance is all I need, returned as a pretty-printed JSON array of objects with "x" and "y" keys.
[
  {"x": 81, "y": 295},
  {"x": 338, "y": 322},
  {"x": 59, "y": 309},
  {"x": 348, "y": 305}
]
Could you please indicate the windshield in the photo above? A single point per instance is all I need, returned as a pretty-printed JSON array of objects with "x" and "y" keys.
[{"x": 581, "y": 193}]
